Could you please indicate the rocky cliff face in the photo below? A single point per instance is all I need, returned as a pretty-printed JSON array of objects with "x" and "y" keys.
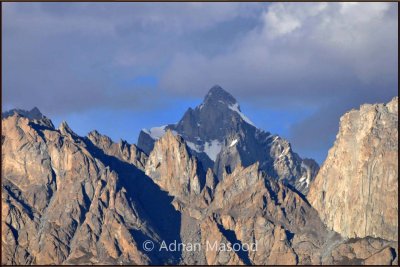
[
  {"x": 172, "y": 167},
  {"x": 250, "y": 206},
  {"x": 222, "y": 137},
  {"x": 356, "y": 190}
]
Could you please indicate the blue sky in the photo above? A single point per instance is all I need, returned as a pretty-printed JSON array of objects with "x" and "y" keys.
[{"x": 295, "y": 68}]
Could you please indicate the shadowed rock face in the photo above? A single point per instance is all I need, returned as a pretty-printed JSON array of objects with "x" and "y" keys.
[
  {"x": 123, "y": 151},
  {"x": 222, "y": 137},
  {"x": 356, "y": 190},
  {"x": 68, "y": 199}
]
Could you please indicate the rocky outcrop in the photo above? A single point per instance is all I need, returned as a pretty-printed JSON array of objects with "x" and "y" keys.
[
  {"x": 253, "y": 208},
  {"x": 356, "y": 190},
  {"x": 363, "y": 251},
  {"x": 122, "y": 150},
  {"x": 172, "y": 167}
]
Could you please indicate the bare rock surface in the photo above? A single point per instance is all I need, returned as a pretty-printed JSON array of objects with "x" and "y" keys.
[
  {"x": 356, "y": 190},
  {"x": 172, "y": 167}
]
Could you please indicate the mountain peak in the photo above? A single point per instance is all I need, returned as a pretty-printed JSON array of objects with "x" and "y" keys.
[
  {"x": 216, "y": 88},
  {"x": 65, "y": 129},
  {"x": 218, "y": 94},
  {"x": 36, "y": 112}
]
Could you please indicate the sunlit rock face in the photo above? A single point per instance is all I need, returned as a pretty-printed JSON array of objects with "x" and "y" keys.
[
  {"x": 172, "y": 167},
  {"x": 356, "y": 190}
]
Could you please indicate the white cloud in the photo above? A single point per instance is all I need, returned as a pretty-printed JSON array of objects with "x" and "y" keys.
[
  {"x": 280, "y": 25},
  {"x": 284, "y": 18}
]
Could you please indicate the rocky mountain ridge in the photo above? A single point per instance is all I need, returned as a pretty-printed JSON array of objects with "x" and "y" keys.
[{"x": 68, "y": 199}]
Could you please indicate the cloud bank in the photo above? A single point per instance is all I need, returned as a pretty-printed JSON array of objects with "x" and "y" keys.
[{"x": 325, "y": 57}]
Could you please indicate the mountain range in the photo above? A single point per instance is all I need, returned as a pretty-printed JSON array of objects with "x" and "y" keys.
[{"x": 211, "y": 178}]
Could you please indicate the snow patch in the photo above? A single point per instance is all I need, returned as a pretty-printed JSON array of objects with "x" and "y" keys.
[
  {"x": 193, "y": 146},
  {"x": 235, "y": 107},
  {"x": 234, "y": 142},
  {"x": 307, "y": 177},
  {"x": 212, "y": 149},
  {"x": 305, "y": 180}
]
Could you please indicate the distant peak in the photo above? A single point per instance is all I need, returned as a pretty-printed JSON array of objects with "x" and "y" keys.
[
  {"x": 216, "y": 88},
  {"x": 217, "y": 93},
  {"x": 94, "y": 133},
  {"x": 35, "y": 110},
  {"x": 64, "y": 125},
  {"x": 33, "y": 114}
]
